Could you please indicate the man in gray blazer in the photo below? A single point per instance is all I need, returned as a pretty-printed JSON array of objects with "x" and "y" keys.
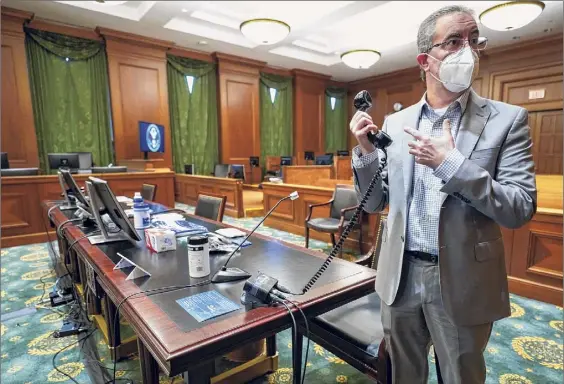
[{"x": 458, "y": 168}]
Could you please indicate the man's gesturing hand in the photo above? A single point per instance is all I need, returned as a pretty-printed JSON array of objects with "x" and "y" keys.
[{"x": 431, "y": 151}]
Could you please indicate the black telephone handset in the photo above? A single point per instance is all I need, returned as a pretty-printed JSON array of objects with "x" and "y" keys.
[
  {"x": 381, "y": 140},
  {"x": 363, "y": 102}
]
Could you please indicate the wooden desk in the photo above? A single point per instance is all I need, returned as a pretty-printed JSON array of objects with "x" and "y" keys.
[
  {"x": 290, "y": 215},
  {"x": 187, "y": 188},
  {"x": 306, "y": 174},
  {"x": 181, "y": 345},
  {"x": 23, "y": 220},
  {"x": 343, "y": 168}
]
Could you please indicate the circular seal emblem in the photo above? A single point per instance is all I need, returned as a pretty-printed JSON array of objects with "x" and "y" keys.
[{"x": 153, "y": 138}]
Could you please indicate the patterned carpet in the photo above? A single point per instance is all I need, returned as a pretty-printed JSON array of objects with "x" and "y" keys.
[{"x": 524, "y": 349}]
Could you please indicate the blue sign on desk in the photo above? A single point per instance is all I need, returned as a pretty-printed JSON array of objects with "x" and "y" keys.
[{"x": 207, "y": 305}]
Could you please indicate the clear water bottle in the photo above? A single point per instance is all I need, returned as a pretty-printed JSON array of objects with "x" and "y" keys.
[{"x": 141, "y": 215}]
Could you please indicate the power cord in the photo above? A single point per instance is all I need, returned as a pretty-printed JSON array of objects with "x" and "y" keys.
[{"x": 149, "y": 292}]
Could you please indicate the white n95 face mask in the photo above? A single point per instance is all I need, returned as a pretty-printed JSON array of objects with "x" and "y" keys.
[{"x": 458, "y": 70}]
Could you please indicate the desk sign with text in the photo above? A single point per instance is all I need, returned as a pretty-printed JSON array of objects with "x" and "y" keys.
[{"x": 207, "y": 305}]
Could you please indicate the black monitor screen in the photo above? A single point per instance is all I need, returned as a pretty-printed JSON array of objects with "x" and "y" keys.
[
  {"x": 73, "y": 188},
  {"x": 309, "y": 155},
  {"x": 343, "y": 153},
  {"x": 254, "y": 160},
  {"x": 324, "y": 160},
  {"x": 286, "y": 160},
  {"x": 237, "y": 172},
  {"x": 112, "y": 208},
  {"x": 151, "y": 137},
  {"x": 4, "y": 159},
  {"x": 63, "y": 160}
]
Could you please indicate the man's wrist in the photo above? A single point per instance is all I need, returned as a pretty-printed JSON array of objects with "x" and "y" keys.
[
  {"x": 449, "y": 166},
  {"x": 359, "y": 160}
]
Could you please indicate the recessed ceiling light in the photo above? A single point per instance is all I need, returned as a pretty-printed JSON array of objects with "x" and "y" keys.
[
  {"x": 202, "y": 42},
  {"x": 184, "y": 10},
  {"x": 511, "y": 15}
]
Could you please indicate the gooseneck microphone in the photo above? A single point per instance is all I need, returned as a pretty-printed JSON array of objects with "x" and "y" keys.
[{"x": 225, "y": 274}]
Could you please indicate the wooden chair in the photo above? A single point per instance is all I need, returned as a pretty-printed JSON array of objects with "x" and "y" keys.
[
  {"x": 210, "y": 206},
  {"x": 342, "y": 205},
  {"x": 148, "y": 192},
  {"x": 353, "y": 332}
]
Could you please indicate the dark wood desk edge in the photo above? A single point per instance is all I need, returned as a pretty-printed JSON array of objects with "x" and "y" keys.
[
  {"x": 37, "y": 179},
  {"x": 117, "y": 288}
]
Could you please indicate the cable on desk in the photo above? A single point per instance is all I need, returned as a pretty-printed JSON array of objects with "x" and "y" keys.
[
  {"x": 294, "y": 330},
  {"x": 307, "y": 336},
  {"x": 149, "y": 292}
]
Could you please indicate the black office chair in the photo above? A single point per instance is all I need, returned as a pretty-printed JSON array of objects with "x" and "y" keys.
[
  {"x": 210, "y": 206},
  {"x": 148, "y": 192},
  {"x": 221, "y": 170},
  {"x": 342, "y": 205},
  {"x": 354, "y": 332},
  {"x": 189, "y": 169}
]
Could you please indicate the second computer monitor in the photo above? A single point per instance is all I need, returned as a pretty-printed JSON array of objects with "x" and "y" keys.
[
  {"x": 112, "y": 208},
  {"x": 63, "y": 160},
  {"x": 73, "y": 188},
  {"x": 309, "y": 155},
  {"x": 285, "y": 160},
  {"x": 4, "y": 159},
  {"x": 324, "y": 160}
]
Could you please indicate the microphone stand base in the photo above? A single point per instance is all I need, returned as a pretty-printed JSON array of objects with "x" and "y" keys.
[{"x": 230, "y": 274}]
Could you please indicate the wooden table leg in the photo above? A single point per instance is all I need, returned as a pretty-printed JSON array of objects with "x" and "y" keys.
[
  {"x": 202, "y": 374},
  {"x": 113, "y": 329},
  {"x": 149, "y": 367},
  {"x": 271, "y": 346},
  {"x": 297, "y": 357}
]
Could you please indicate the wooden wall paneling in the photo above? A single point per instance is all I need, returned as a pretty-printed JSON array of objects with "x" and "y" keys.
[
  {"x": 239, "y": 109},
  {"x": 547, "y": 142},
  {"x": 18, "y": 128},
  {"x": 536, "y": 267},
  {"x": 307, "y": 174},
  {"x": 138, "y": 88},
  {"x": 309, "y": 112}
]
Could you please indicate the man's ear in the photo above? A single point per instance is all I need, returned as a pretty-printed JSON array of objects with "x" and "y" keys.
[{"x": 423, "y": 61}]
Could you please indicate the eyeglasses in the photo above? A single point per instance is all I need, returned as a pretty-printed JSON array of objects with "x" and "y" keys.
[{"x": 454, "y": 44}]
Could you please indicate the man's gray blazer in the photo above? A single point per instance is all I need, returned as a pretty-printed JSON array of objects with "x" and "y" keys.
[{"x": 494, "y": 186}]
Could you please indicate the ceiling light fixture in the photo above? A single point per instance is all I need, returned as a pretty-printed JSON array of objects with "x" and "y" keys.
[
  {"x": 264, "y": 31},
  {"x": 360, "y": 58},
  {"x": 511, "y": 15}
]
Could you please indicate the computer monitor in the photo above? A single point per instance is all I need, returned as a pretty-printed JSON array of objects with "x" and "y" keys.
[
  {"x": 85, "y": 160},
  {"x": 221, "y": 170},
  {"x": 285, "y": 160},
  {"x": 324, "y": 160},
  {"x": 4, "y": 159},
  {"x": 238, "y": 171},
  {"x": 70, "y": 188},
  {"x": 309, "y": 155},
  {"x": 63, "y": 160},
  {"x": 151, "y": 137},
  {"x": 343, "y": 152},
  {"x": 103, "y": 202},
  {"x": 254, "y": 161},
  {"x": 189, "y": 169}
]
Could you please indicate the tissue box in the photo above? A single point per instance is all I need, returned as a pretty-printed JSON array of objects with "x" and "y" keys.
[{"x": 160, "y": 240}]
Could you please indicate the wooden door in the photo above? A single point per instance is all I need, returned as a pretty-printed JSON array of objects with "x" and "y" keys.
[{"x": 546, "y": 132}]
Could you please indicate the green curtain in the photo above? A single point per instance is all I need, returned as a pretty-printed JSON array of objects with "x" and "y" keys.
[
  {"x": 193, "y": 116},
  {"x": 335, "y": 120},
  {"x": 276, "y": 119},
  {"x": 70, "y": 95}
]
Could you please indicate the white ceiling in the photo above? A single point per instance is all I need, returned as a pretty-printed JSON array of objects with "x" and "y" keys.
[{"x": 320, "y": 30}]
